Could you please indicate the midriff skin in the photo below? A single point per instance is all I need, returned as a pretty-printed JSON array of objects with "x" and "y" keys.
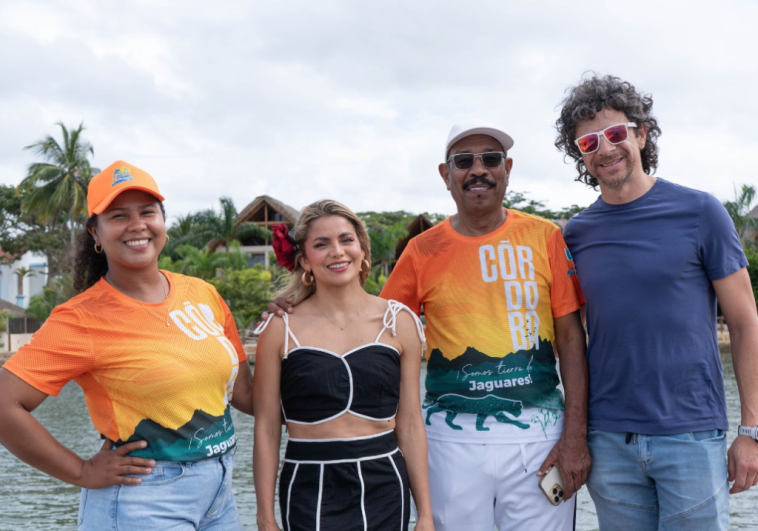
[{"x": 343, "y": 427}]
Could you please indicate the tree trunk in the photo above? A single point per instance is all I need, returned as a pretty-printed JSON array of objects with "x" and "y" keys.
[
  {"x": 53, "y": 270},
  {"x": 72, "y": 221}
]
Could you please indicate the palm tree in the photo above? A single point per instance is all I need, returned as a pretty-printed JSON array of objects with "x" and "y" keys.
[
  {"x": 739, "y": 210},
  {"x": 21, "y": 273},
  {"x": 58, "y": 185},
  {"x": 201, "y": 263},
  {"x": 224, "y": 227},
  {"x": 188, "y": 229}
]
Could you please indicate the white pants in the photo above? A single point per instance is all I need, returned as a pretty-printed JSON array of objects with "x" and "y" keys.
[{"x": 474, "y": 487}]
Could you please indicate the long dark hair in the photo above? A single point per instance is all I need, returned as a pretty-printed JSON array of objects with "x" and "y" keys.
[{"x": 91, "y": 266}]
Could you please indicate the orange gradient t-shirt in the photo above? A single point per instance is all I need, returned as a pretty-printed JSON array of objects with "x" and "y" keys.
[
  {"x": 489, "y": 303},
  {"x": 169, "y": 385}
]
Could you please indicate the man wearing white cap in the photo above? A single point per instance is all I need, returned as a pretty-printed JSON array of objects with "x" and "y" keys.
[{"x": 500, "y": 295}]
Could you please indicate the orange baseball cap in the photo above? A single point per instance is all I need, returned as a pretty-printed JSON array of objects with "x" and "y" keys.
[{"x": 116, "y": 178}]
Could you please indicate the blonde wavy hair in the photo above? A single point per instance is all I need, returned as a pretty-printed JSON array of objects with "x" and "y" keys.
[{"x": 295, "y": 289}]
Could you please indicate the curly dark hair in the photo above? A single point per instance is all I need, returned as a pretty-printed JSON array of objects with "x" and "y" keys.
[
  {"x": 91, "y": 266},
  {"x": 587, "y": 99}
]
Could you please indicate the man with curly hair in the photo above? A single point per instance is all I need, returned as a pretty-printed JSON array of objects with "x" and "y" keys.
[{"x": 653, "y": 258}]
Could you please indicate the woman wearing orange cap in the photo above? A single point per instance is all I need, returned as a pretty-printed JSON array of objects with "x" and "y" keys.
[{"x": 159, "y": 359}]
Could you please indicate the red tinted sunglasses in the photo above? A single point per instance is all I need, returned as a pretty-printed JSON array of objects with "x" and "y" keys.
[{"x": 615, "y": 134}]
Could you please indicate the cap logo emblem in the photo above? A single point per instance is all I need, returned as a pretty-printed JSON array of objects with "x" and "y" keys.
[{"x": 121, "y": 175}]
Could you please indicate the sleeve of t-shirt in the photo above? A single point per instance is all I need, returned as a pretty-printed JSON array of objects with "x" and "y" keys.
[
  {"x": 230, "y": 330},
  {"x": 565, "y": 294},
  {"x": 58, "y": 352},
  {"x": 402, "y": 284},
  {"x": 720, "y": 248}
]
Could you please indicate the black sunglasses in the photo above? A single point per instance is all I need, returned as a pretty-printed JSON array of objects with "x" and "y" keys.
[{"x": 465, "y": 161}]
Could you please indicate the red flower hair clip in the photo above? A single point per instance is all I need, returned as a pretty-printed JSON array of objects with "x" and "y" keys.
[{"x": 284, "y": 246}]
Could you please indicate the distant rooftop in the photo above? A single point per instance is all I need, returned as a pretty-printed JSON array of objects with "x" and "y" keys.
[{"x": 18, "y": 311}]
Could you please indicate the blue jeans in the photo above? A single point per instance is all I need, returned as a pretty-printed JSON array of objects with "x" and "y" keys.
[
  {"x": 659, "y": 482},
  {"x": 175, "y": 496}
]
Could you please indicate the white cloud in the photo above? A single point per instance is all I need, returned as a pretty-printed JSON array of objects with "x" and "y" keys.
[{"x": 354, "y": 100}]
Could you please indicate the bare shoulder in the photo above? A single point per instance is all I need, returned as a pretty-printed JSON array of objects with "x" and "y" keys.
[
  {"x": 272, "y": 335},
  {"x": 303, "y": 315},
  {"x": 408, "y": 320},
  {"x": 376, "y": 305},
  {"x": 407, "y": 328}
]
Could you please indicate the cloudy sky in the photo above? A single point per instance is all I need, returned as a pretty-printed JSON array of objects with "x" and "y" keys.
[{"x": 353, "y": 100}]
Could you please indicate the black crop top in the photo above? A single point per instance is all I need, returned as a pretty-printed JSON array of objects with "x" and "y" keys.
[{"x": 318, "y": 385}]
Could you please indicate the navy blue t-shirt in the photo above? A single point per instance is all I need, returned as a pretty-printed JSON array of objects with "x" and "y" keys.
[{"x": 646, "y": 268}]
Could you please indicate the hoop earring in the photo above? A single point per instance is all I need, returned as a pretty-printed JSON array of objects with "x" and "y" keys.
[
  {"x": 307, "y": 282},
  {"x": 368, "y": 266},
  {"x": 101, "y": 248},
  {"x": 168, "y": 238}
]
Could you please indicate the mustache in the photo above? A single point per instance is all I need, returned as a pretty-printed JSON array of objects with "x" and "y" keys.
[{"x": 478, "y": 179}]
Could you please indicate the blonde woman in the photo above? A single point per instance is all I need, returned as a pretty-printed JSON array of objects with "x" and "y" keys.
[{"x": 344, "y": 374}]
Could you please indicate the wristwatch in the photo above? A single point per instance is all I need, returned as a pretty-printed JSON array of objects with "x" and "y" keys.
[{"x": 748, "y": 432}]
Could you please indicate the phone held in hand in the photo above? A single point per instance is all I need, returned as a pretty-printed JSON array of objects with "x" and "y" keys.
[{"x": 551, "y": 485}]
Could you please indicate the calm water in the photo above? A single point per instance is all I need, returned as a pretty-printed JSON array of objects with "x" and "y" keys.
[{"x": 31, "y": 501}]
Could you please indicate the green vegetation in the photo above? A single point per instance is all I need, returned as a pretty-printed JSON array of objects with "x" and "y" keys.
[
  {"x": 739, "y": 211},
  {"x": 386, "y": 229},
  {"x": 752, "y": 268},
  {"x": 223, "y": 228},
  {"x": 22, "y": 230},
  {"x": 4, "y": 315},
  {"x": 747, "y": 228},
  {"x": 204, "y": 263},
  {"x": 247, "y": 291},
  {"x": 56, "y": 292},
  {"x": 208, "y": 228},
  {"x": 519, "y": 201}
]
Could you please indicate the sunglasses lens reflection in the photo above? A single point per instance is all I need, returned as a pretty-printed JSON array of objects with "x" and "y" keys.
[
  {"x": 464, "y": 161},
  {"x": 616, "y": 134},
  {"x": 588, "y": 143},
  {"x": 492, "y": 160}
]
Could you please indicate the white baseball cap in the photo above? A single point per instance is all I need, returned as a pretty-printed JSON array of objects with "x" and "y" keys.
[{"x": 477, "y": 127}]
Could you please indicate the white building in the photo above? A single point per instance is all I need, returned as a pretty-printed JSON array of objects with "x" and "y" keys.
[{"x": 17, "y": 290}]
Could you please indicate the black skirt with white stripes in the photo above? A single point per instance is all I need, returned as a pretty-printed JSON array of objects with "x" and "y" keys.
[{"x": 358, "y": 484}]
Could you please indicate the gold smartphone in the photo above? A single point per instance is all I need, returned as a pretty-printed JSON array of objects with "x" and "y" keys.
[{"x": 551, "y": 485}]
